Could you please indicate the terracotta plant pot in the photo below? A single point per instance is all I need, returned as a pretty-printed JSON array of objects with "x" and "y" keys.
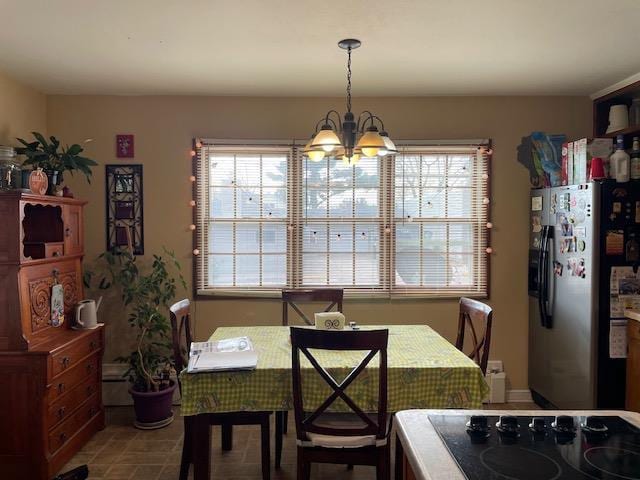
[{"x": 153, "y": 409}]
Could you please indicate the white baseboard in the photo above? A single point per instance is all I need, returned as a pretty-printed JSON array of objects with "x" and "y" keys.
[
  {"x": 115, "y": 388},
  {"x": 519, "y": 396}
]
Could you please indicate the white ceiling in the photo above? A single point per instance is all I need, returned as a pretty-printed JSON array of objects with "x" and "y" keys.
[{"x": 288, "y": 47}]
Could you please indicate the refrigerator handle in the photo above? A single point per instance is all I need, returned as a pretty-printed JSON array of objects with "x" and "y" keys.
[
  {"x": 541, "y": 301},
  {"x": 549, "y": 278}
]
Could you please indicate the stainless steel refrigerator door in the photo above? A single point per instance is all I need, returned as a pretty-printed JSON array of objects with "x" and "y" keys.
[
  {"x": 538, "y": 221},
  {"x": 562, "y": 356}
]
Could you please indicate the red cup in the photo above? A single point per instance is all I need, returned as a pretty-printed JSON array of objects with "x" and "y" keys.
[{"x": 597, "y": 169}]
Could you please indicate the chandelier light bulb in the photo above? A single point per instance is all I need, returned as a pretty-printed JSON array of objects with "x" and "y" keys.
[
  {"x": 196, "y": 252},
  {"x": 192, "y": 153},
  {"x": 328, "y": 148},
  {"x": 485, "y": 200},
  {"x": 192, "y": 227},
  {"x": 192, "y": 178},
  {"x": 192, "y": 203},
  {"x": 198, "y": 144},
  {"x": 316, "y": 155},
  {"x": 489, "y": 250},
  {"x": 370, "y": 152},
  {"x": 489, "y": 225}
]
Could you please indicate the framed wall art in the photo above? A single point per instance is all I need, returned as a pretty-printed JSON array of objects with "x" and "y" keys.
[
  {"x": 125, "y": 219},
  {"x": 124, "y": 146}
]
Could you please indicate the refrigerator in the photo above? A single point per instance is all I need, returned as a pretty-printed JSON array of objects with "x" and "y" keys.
[{"x": 578, "y": 234}]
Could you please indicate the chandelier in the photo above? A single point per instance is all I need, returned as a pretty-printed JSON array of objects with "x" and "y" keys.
[{"x": 337, "y": 136}]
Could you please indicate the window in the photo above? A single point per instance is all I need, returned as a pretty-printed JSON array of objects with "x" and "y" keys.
[{"x": 412, "y": 224}]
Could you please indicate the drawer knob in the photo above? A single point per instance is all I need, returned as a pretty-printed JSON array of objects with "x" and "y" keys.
[
  {"x": 63, "y": 437},
  {"x": 92, "y": 345},
  {"x": 60, "y": 387},
  {"x": 89, "y": 390},
  {"x": 89, "y": 368},
  {"x": 61, "y": 413},
  {"x": 65, "y": 361},
  {"x": 67, "y": 232},
  {"x": 92, "y": 411}
]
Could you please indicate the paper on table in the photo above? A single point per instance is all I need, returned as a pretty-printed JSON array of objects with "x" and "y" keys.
[{"x": 228, "y": 354}]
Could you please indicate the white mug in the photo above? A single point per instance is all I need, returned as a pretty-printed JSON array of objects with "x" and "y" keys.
[{"x": 87, "y": 313}]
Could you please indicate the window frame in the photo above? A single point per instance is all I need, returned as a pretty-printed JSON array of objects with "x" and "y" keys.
[{"x": 387, "y": 213}]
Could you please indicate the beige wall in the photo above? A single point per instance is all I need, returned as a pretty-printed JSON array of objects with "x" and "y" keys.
[
  {"x": 22, "y": 110},
  {"x": 164, "y": 127}
]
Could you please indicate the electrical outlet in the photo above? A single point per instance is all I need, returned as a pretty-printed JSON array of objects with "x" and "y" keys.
[{"x": 495, "y": 366}]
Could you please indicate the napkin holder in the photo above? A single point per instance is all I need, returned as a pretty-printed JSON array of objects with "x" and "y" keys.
[{"x": 329, "y": 321}]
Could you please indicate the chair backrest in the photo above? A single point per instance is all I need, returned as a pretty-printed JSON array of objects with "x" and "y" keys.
[
  {"x": 289, "y": 298},
  {"x": 181, "y": 334},
  {"x": 477, "y": 317},
  {"x": 375, "y": 341}
]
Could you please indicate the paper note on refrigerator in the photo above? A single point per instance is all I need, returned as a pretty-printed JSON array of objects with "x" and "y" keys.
[
  {"x": 624, "y": 291},
  {"x": 618, "y": 339}
]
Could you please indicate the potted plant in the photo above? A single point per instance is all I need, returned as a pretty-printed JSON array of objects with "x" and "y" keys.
[
  {"x": 54, "y": 159},
  {"x": 146, "y": 294}
]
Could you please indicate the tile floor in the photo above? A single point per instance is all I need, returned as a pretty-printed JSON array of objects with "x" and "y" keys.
[{"x": 122, "y": 452}]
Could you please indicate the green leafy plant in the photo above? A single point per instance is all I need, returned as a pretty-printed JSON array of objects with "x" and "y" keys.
[
  {"x": 49, "y": 155},
  {"x": 146, "y": 294}
]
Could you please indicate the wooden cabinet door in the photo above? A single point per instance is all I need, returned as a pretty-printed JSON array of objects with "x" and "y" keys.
[
  {"x": 633, "y": 367},
  {"x": 73, "y": 230}
]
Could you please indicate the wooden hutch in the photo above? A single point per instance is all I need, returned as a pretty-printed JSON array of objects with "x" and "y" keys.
[{"x": 50, "y": 377}]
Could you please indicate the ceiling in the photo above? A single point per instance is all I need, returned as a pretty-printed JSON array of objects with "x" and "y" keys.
[{"x": 288, "y": 47}]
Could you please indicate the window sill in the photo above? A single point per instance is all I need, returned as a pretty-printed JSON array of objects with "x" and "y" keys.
[{"x": 220, "y": 294}]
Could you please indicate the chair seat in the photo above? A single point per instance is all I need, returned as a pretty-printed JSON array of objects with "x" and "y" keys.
[{"x": 346, "y": 421}]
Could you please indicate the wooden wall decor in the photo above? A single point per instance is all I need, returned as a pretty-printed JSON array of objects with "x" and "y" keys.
[{"x": 125, "y": 220}]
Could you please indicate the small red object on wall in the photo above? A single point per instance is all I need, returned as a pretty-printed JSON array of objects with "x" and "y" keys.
[{"x": 124, "y": 146}]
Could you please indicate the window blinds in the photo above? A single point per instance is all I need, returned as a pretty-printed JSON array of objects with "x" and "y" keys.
[{"x": 413, "y": 224}]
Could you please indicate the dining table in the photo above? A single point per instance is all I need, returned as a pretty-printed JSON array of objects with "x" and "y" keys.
[{"x": 424, "y": 370}]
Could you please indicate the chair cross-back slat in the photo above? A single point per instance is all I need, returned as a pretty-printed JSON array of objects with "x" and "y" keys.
[
  {"x": 303, "y": 339},
  {"x": 289, "y": 298},
  {"x": 473, "y": 315}
]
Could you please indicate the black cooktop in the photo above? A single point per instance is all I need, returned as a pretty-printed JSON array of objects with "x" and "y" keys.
[{"x": 541, "y": 448}]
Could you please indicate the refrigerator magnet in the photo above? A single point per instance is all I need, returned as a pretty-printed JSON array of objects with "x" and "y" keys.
[
  {"x": 536, "y": 204},
  {"x": 557, "y": 268},
  {"x": 580, "y": 231},
  {"x": 614, "y": 242}
]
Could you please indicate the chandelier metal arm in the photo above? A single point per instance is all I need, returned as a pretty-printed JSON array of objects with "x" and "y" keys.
[
  {"x": 369, "y": 117},
  {"x": 327, "y": 119}
]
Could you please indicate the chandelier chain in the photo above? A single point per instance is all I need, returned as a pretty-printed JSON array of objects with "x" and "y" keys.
[{"x": 349, "y": 80}]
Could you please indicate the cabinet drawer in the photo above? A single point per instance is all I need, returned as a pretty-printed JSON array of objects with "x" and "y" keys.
[
  {"x": 73, "y": 377},
  {"x": 65, "y": 406},
  {"x": 68, "y": 357},
  {"x": 634, "y": 329},
  {"x": 63, "y": 433}
]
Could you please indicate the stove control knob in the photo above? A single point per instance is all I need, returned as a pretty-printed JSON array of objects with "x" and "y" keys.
[
  {"x": 564, "y": 424},
  {"x": 508, "y": 424},
  {"x": 538, "y": 425},
  {"x": 594, "y": 424},
  {"x": 478, "y": 424}
]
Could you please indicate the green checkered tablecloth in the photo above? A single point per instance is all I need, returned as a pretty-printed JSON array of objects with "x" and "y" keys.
[{"x": 424, "y": 371}]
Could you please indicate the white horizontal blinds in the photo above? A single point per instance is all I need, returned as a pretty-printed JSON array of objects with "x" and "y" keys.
[
  {"x": 202, "y": 216},
  {"x": 339, "y": 232},
  {"x": 247, "y": 217},
  {"x": 440, "y": 221}
]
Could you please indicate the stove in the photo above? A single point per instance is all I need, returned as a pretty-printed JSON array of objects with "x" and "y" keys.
[{"x": 541, "y": 448}]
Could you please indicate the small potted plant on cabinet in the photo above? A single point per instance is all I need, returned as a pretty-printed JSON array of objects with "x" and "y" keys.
[
  {"x": 54, "y": 160},
  {"x": 146, "y": 294}
]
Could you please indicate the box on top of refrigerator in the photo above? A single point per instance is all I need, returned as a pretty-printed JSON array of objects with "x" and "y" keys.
[{"x": 583, "y": 151}]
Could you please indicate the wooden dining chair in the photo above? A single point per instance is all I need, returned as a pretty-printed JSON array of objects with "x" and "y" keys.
[
  {"x": 291, "y": 298},
  {"x": 354, "y": 438},
  {"x": 182, "y": 336},
  {"x": 476, "y": 317}
]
